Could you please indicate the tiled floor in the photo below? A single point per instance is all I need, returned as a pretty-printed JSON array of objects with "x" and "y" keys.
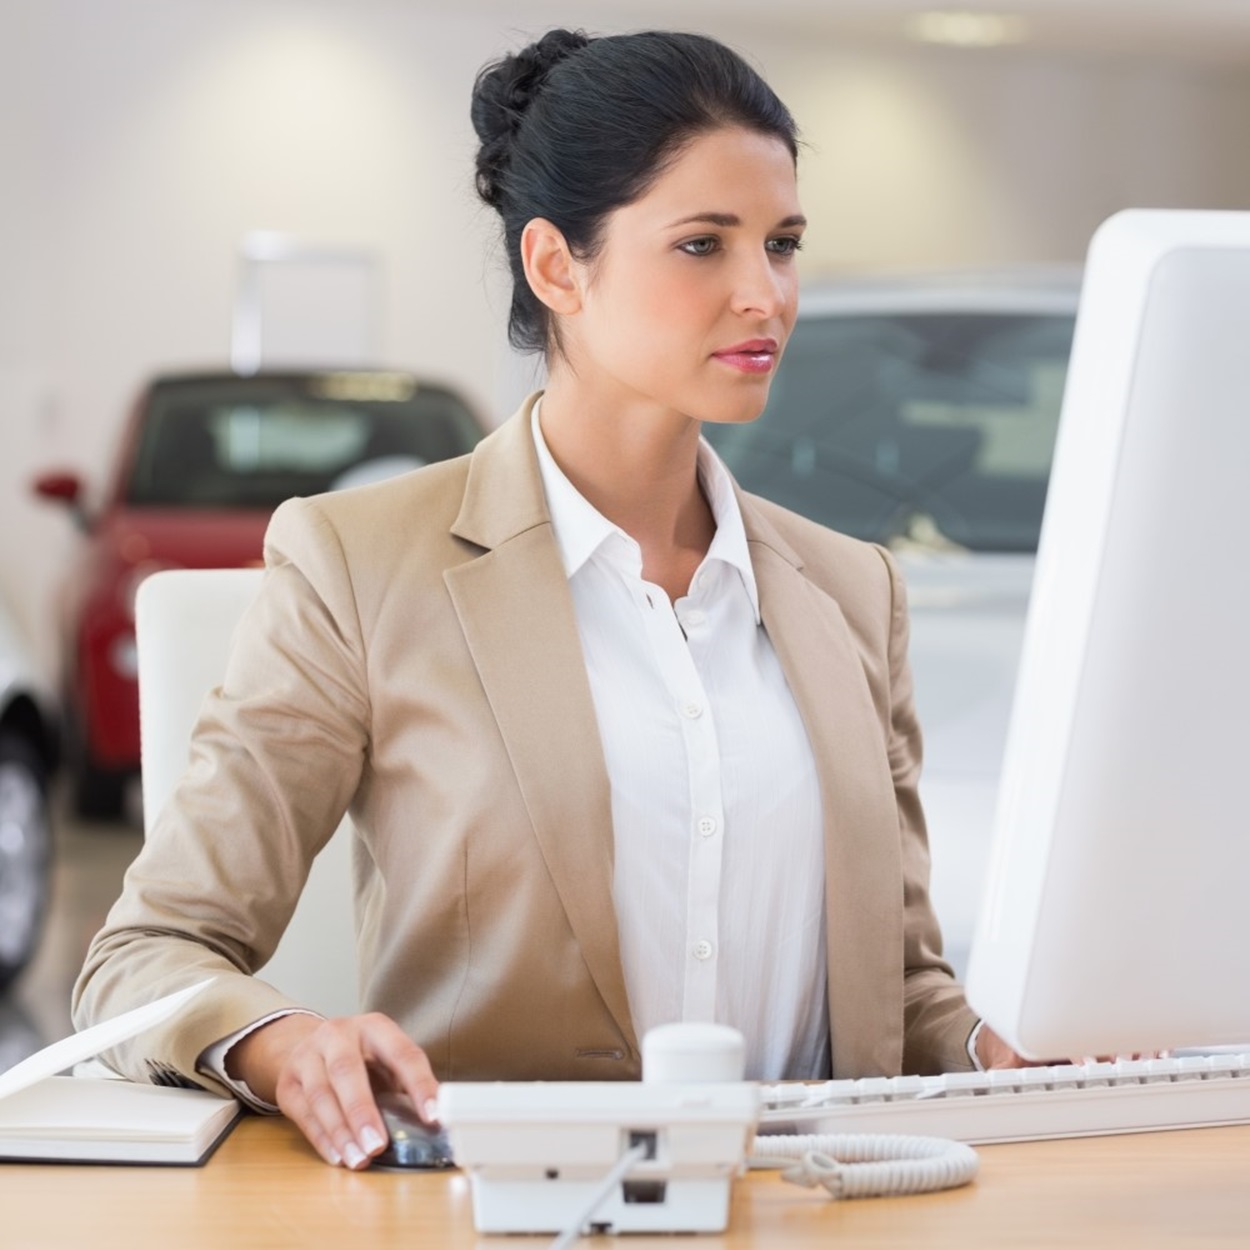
[{"x": 90, "y": 862}]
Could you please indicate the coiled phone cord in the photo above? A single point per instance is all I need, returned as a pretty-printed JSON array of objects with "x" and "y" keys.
[{"x": 866, "y": 1165}]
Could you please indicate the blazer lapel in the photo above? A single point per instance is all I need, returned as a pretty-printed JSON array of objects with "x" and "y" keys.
[
  {"x": 863, "y": 869},
  {"x": 514, "y": 606}
]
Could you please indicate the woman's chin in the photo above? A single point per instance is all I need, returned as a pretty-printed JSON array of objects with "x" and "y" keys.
[{"x": 733, "y": 414}]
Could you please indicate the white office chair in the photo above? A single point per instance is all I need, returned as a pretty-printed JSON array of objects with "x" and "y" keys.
[{"x": 184, "y": 622}]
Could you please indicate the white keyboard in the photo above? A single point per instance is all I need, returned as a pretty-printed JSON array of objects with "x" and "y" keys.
[{"x": 1023, "y": 1104}]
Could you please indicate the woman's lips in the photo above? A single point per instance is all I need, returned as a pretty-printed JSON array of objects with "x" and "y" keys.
[{"x": 756, "y": 356}]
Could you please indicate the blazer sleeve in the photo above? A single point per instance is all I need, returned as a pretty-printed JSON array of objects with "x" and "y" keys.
[
  {"x": 276, "y": 756},
  {"x": 937, "y": 1021}
]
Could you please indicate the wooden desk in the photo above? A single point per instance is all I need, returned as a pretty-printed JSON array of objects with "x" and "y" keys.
[{"x": 265, "y": 1189}]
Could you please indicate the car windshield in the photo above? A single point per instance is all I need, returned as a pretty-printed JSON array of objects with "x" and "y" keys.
[
  {"x": 936, "y": 429},
  {"x": 251, "y": 443}
]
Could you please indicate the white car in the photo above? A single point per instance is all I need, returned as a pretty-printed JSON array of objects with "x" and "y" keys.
[
  {"x": 922, "y": 414},
  {"x": 28, "y": 756}
]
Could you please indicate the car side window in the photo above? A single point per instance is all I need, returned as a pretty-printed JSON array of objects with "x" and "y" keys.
[{"x": 906, "y": 425}]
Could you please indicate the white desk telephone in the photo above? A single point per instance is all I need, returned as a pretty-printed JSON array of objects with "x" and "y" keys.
[{"x": 538, "y": 1153}]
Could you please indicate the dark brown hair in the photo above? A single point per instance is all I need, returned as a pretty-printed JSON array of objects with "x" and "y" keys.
[{"x": 573, "y": 127}]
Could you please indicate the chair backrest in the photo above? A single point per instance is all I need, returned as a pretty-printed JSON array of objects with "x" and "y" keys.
[{"x": 185, "y": 620}]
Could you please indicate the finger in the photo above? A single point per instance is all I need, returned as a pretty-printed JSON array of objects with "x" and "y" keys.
[
  {"x": 294, "y": 1105},
  {"x": 349, "y": 1096},
  {"x": 405, "y": 1065},
  {"x": 325, "y": 1089}
]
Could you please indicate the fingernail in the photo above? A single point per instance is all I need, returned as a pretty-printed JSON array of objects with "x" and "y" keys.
[
  {"x": 351, "y": 1152},
  {"x": 371, "y": 1139},
  {"x": 334, "y": 1157},
  {"x": 429, "y": 1110}
]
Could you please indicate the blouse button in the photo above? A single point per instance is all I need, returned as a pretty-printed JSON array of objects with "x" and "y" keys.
[
  {"x": 703, "y": 949},
  {"x": 692, "y": 710},
  {"x": 707, "y": 826}
]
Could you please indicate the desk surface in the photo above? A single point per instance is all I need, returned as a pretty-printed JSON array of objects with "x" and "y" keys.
[{"x": 265, "y": 1188}]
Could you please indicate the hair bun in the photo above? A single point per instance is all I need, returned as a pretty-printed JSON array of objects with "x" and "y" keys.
[{"x": 503, "y": 93}]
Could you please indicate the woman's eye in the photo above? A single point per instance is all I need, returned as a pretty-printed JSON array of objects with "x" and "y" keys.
[
  {"x": 786, "y": 245},
  {"x": 699, "y": 247}
]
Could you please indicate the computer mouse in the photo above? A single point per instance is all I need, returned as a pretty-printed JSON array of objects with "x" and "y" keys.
[{"x": 413, "y": 1143}]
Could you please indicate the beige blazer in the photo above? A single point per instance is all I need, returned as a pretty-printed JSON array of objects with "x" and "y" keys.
[{"x": 413, "y": 657}]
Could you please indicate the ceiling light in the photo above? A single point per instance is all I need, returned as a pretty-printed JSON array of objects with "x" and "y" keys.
[{"x": 966, "y": 30}]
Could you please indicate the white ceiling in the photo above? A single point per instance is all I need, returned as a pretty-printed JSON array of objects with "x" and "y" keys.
[
  {"x": 1208, "y": 30},
  {"x": 1205, "y": 28}
]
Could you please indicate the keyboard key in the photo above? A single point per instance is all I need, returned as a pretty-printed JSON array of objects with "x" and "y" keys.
[
  {"x": 999, "y": 1079},
  {"x": 1036, "y": 1078},
  {"x": 1064, "y": 1076},
  {"x": 1225, "y": 1065},
  {"x": 1096, "y": 1075},
  {"x": 785, "y": 1095},
  {"x": 963, "y": 1084},
  {"x": 874, "y": 1088},
  {"x": 905, "y": 1087}
]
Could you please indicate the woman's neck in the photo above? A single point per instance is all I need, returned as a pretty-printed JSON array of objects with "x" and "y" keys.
[{"x": 637, "y": 464}]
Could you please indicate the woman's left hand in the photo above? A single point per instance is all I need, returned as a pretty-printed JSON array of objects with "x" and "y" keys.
[{"x": 993, "y": 1052}]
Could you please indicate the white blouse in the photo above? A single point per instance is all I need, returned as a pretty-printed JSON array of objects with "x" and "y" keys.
[{"x": 718, "y": 874}]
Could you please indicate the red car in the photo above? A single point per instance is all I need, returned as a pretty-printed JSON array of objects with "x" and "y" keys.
[{"x": 204, "y": 462}]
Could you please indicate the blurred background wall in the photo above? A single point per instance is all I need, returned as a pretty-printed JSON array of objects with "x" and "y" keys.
[{"x": 141, "y": 140}]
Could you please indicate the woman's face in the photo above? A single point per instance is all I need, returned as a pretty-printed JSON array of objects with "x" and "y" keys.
[{"x": 690, "y": 302}]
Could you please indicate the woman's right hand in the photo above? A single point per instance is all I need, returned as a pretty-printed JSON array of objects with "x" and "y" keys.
[{"x": 322, "y": 1073}]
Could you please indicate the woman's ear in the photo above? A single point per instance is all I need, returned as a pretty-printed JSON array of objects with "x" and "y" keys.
[{"x": 549, "y": 267}]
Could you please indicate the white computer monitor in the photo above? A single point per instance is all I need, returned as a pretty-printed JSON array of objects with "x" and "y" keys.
[{"x": 1117, "y": 910}]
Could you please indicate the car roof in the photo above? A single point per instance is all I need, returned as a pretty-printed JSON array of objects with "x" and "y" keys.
[
  {"x": 209, "y": 377},
  {"x": 1035, "y": 289},
  {"x": 330, "y": 383}
]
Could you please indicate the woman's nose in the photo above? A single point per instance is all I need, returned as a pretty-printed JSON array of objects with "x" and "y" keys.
[{"x": 760, "y": 288}]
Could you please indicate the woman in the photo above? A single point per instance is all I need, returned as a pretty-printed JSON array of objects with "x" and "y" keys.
[{"x": 621, "y": 745}]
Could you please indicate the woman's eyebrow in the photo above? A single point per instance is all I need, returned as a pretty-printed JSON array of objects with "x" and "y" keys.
[{"x": 727, "y": 220}]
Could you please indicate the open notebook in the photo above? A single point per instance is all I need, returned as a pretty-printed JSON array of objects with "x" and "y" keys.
[{"x": 50, "y": 1118}]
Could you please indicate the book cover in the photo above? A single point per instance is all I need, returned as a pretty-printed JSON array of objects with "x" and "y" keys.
[{"x": 65, "y": 1119}]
